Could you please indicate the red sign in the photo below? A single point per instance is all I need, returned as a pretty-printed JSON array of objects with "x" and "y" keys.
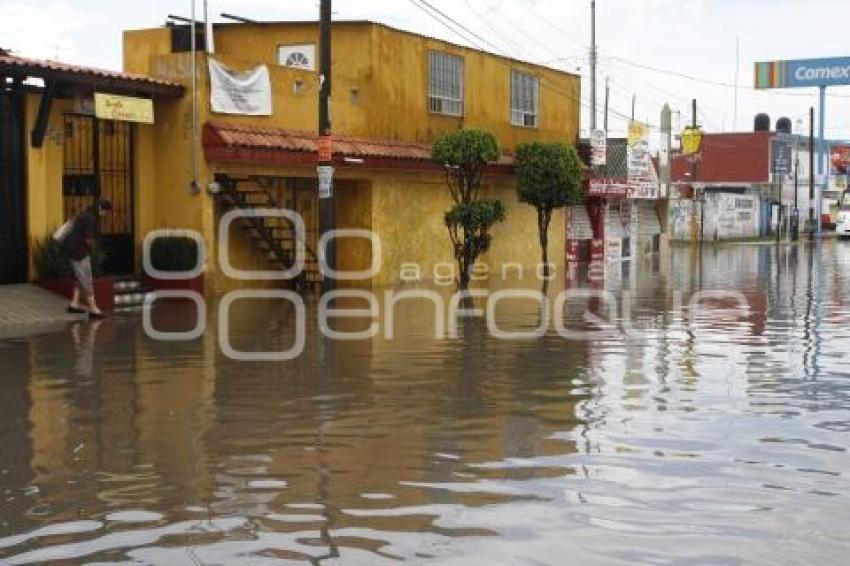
[
  {"x": 840, "y": 159},
  {"x": 325, "y": 148}
]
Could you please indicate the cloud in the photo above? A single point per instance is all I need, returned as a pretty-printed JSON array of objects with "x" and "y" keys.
[{"x": 42, "y": 31}]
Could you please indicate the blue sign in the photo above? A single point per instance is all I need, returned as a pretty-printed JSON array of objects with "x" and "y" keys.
[{"x": 803, "y": 73}]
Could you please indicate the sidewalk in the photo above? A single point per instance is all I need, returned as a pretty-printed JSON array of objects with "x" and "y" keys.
[{"x": 27, "y": 308}]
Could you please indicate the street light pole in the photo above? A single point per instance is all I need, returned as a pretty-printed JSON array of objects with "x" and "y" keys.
[{"x": 592, "y": 64}]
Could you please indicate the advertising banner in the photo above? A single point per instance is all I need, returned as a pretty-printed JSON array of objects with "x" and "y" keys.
[
  {"x": 598, "y": 148},
  {"x": 840, "y": 159},
  {"x": 643, "y": 183},
  {"x": 240, "y": 92},
  {"x": 840, "y": 166}
]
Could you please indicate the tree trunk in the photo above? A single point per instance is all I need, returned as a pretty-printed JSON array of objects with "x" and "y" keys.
[{"x": 544, "y": 217}]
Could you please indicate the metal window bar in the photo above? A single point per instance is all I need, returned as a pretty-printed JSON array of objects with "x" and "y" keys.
[
  {"x": 525, "y": 99},
  {"x": 445, "y": 83}
]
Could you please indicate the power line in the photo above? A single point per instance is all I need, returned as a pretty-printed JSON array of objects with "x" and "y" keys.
[
  {"x": 711, "y": 81},
  {"x": 453, "y": 25},
  {"x": 461, "y": 26}
]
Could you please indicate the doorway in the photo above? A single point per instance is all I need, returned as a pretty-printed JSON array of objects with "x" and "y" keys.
[{"x": 98, "y": 163}]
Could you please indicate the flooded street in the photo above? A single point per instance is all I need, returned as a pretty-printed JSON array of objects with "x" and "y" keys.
[{"x": 690, "y": 439}]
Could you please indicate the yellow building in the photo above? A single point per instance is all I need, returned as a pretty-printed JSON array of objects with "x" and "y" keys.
[
  {"x": 394, "y": 93},
  {"x": 57, "y": 157}
]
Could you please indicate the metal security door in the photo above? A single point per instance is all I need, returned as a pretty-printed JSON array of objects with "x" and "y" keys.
[
  {"x": 99, "y": 164},
  {"x": 13, "y": 232}
]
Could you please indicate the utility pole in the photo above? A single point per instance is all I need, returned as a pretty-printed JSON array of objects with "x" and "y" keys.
[
  {"x": 634, "y": 104},
  {"x": 592, "y": 64},
  {"x": 795, "y": 220},
  {"x": 811, "y": 163},
  {"x": 664, "y": 156},
  {"x": 694, "y": 126},
  {"x": 693, "y": 181},
  {"x": 607, "y": 96},
  {"x": 327, "y": 217},
  {"x": 822, "y": 166},
  {"x": 737, "y": 72}
]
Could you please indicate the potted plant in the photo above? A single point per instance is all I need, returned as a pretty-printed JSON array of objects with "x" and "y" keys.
[
  {"x": 173, "y": 253},
  {"x": 56, "y": 275}
]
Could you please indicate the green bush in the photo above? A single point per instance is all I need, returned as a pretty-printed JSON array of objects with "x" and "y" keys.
[
  {"x": 465, "y": 155},
  {"x": 52, "y": 263},
  {"x": 174, "y": 253}
]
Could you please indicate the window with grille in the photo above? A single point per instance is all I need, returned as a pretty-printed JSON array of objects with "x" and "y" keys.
[
  {"x": 445, "y": 89},
  {"x": 525, "y": 99}
]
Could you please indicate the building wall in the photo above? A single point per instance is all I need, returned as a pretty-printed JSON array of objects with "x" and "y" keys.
[
  {"x": 379, "y": 91},
  {"x": 43, "y": 174},
  {"x": 380, "y": 82},
  {"x": 727, "y": 216},
  {"x": 46, "y": 208}
]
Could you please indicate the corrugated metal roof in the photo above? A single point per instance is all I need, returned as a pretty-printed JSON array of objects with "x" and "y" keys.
[{"x": 219, "y": 134}]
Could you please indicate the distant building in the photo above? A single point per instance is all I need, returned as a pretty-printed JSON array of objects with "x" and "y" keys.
[
  {"x": 616, "y": 224},
  {"x": 741, "y": 186}
]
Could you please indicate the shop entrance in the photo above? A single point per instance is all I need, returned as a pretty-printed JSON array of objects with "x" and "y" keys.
[{"x": 98, "y": 163}]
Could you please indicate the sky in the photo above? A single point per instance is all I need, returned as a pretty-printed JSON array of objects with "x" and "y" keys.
[{"x": 655, "y": 50}]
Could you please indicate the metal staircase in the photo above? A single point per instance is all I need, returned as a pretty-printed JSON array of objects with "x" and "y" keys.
[{"x": 274, "y": 237}]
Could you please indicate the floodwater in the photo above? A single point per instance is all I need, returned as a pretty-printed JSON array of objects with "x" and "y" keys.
[{"x": 697, "y": 437}]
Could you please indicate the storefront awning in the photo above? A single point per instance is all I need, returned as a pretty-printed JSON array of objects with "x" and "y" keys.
[{"x": 236, "y": 143}]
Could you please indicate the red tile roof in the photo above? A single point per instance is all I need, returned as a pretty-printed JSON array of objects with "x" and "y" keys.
[
  {"x": 728, "y": 158},
  {"x": 235, "y": 142},
  {"x": 13, "y": 65}
]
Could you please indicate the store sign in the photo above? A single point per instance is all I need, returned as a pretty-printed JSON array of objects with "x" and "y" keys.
[
  {"x": 642, "y": 181},
  {"x": 803, "y": 73},
  {"x": 781, "y": 154},
  {"x": 610, "y": 188},
  {"x": 123, "y": 108},
  {"x": 840, "y": 159},
  {"x": 598, "y": 148},
  {"x": 326, "y": 181},
  {"x": 324, "y": 148}
]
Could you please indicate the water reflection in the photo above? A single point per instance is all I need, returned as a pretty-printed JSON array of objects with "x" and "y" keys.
[{"x": 689, "y": 439}]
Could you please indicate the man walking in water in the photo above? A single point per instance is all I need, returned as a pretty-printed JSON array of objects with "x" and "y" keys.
[{"x": 78, "y": 240}]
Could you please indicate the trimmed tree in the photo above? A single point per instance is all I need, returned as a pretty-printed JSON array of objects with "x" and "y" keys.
[
  {"x": 465, "y": 153},
  {"x": 549, "y": 177}
]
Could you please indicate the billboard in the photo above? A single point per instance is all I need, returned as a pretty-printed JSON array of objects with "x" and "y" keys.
[
  {"x": 641, "y": 181},
  {"x": 840, "y": 159},
  {"x": 803, "y": 73}
]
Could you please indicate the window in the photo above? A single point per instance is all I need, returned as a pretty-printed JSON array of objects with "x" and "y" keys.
[
  {"x": 445, "y": 88},
  {"x": 525, "y": 99},
  {"x": 297, "y": 56}
]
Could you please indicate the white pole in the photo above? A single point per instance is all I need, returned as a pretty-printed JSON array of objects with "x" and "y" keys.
[{"x": 193, "y": 163}]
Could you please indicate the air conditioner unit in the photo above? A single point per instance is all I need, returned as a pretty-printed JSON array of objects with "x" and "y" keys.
[{"x": 297, "y": 56}]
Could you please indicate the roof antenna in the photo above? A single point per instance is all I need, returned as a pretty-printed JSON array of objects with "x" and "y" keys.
[{"x": 239, "y": 19}]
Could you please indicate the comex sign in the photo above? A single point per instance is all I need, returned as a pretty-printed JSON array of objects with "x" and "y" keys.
[
  {"x": 807, "y": 73},
  {"x": 803, "y": 73}
]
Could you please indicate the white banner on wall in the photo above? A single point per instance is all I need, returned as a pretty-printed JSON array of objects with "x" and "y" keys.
[{"x": 240, "y": 92}]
